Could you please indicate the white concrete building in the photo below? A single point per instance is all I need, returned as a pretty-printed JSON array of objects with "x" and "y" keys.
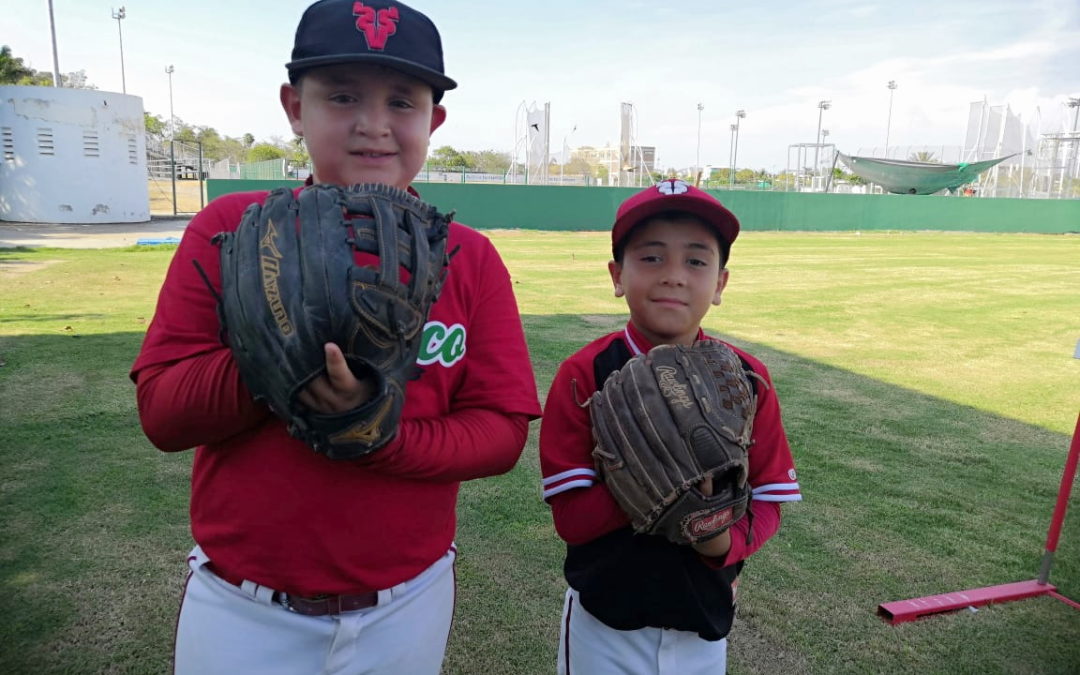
[{"x": 72, "y": 156}]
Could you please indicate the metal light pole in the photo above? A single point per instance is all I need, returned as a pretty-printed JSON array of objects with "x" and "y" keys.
[
  {"x": 888, "y": 124},
  {"x": 169, "y": 70},
  {"x": 172, "y": 140},
  {"x": 57, "y": 82},
  {"x": 119, "y": 15},
  {"x": 565, "y": 147},
  {"x": 731, "y": 154},
  {"x": 822, "y": 107},
  {"x": 697, "y": 160},
  {"x": 1075, "y": 103},
  {"x": 739, "y": 115}
]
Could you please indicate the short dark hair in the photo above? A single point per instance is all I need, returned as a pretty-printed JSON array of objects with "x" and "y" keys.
[{"x": 619, "y": 249}]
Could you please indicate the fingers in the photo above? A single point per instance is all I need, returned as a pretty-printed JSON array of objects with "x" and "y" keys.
[
  {"x": 337, "y": 369},
  {"x": 705, "y": 487},
  {"x": 338, "y": 390}
]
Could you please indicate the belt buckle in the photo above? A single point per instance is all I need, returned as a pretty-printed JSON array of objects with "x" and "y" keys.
[
  {"x": 283, "y": 600},
  {"x": 331, "y": 603}
]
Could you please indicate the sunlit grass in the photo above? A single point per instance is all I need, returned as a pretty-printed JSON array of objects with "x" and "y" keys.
[{"x": 928, "y": 388}]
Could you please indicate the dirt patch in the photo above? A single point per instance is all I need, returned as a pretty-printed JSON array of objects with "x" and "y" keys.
[
  {"x": 13, "y": 267},
  {"x": 161, "y": 196}
]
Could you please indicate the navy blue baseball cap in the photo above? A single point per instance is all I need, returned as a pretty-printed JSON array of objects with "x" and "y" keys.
[{"x": 384, "y": 33}]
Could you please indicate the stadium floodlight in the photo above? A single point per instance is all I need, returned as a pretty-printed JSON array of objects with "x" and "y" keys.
[
  {"x": 697, "y": 160},
  {"x": 739, "y": 115},
  {"x": 119, "y": 15},
  {"x": 822, "y": 107},
  {"x": 888, "y": 124},
  {"x": 169, "y": 70}
]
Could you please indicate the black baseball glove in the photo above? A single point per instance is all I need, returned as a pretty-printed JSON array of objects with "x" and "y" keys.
[
  {"x": 665, "y": 422},
  {"x": 289, "y": 284}
]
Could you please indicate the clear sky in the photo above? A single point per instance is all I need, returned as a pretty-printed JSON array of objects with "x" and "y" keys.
[{"x": 776, "y": 60}]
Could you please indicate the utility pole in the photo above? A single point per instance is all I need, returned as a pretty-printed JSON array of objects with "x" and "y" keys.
[
  {"x": 822, "y": 107},
  {"x": 739, "y": 115},
  {"x": 697, "y": 160},
  {"x": 57, "y": 82},
  {"x": 888, "y": 123},
  {"x": 120, "y": 15},
  {"x": 169, "y": 70}
]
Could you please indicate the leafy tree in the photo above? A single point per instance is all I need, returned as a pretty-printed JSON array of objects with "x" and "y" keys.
[
  {"x": 784, "y": 180},
  {"x": 249, "y": 140},
  {"x": 447, "y": 156},
  {"x": 260, "y": 152},
  {"x": 12, "y": 68},
  {"x": 75, "y": 80},
  {"x": 14, "y": 71},
  {"x": 298, "y": 153},
  {"x": 578, "y": 166},
  {"x": 184, "y": 132},
  {"x": 487, "y": 161},
  {"x": 744, "y": 176},
  {"x": 155, "y": 126}
]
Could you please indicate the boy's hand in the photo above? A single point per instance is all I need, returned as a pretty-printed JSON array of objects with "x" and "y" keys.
[
  {"x": 338, "y": 390},
  {"x": 717, "y": 547},
  {"x": 705, "y": 486},
  {"x": 291, "y": 283}
]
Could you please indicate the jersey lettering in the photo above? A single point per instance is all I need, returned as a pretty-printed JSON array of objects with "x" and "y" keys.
[{"x": 442, "y": 343}]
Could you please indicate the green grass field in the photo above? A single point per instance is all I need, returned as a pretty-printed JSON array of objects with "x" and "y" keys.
[{"x": 928, "y": 389}]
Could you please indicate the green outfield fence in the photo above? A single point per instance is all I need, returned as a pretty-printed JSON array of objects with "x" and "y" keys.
[{"x": 546, "y": 207}]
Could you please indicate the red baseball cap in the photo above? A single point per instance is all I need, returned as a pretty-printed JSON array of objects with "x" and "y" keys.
[{"x": 674, "y": 195}]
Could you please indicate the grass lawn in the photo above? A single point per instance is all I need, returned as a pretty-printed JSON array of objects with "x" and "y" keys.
[{"x": 928, "y": 390}]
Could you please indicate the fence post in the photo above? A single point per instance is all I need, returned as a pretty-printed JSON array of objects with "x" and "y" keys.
[
  {"x": 202, "y": 203},
  {"x": 172, "y": 172}
]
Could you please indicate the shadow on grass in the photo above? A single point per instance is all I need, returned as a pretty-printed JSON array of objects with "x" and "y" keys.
[{"x": 905, "y": 495}]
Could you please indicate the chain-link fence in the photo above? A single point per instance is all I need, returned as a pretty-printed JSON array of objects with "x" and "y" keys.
[{"x": 176, "y": 173}]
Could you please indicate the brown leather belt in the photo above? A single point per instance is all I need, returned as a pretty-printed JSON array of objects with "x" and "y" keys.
[{"x": 317, "y": 605}]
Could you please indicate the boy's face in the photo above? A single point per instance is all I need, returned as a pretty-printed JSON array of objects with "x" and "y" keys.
[
  {"x": 363, "y": 123},
  {"x": 670, "y": 275}
]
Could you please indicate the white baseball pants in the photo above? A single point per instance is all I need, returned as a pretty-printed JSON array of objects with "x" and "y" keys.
[
  {"x": 234, "y": 630},
  {"x": 587, "y": 646}
]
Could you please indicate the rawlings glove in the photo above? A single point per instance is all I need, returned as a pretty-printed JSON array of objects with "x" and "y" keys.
[
  {"x": 662, "y": 424},
  {"x": 289, "y": 284}
]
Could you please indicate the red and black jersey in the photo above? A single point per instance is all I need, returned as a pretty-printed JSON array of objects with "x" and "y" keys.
[
  {"x": 268, "y": 509},
  {"x": 631, "y": 581}
]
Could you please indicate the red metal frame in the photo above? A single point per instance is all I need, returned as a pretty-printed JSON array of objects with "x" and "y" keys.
[{"x": 902, "y": 611}]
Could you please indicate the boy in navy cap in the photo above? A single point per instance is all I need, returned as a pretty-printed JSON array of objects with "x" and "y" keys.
[
  {"x": 639, "y": 603},
  {"x": 304, "y": 564}
]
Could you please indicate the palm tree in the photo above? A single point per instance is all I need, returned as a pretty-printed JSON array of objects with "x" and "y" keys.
[{"x": 924, "y": 156}]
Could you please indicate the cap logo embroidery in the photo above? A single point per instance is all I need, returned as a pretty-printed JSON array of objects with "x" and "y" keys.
[
  {"x": 673, "y": 187},
  {"x": 377, "y": 26}
]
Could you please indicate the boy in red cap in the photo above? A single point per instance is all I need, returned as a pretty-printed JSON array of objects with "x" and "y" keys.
[
  {"x": 305, "y": 564},
  {"x": 639, "y": 603}
]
